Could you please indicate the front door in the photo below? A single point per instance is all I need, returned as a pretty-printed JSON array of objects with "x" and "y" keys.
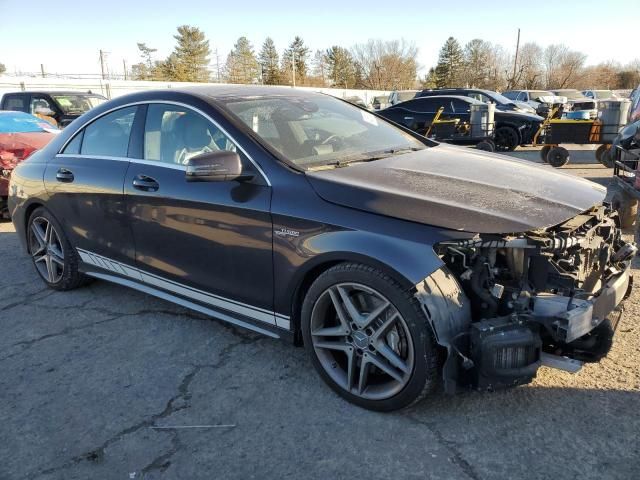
[{"x": 208, "y": 241}]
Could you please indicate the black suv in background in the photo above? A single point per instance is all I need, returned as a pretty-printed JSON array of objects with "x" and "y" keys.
[
  {"x": 511, "y": 128},
  {"x": 62, "y": 107}
]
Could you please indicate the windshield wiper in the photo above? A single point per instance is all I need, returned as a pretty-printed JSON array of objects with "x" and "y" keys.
[{"x": 368, "y": 157}]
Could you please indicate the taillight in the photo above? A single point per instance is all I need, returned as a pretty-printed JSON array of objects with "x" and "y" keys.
[{"x": 10, "y": 157}]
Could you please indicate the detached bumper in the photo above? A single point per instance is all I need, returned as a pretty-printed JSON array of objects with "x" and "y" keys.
[{"x": 575, "y": 318}]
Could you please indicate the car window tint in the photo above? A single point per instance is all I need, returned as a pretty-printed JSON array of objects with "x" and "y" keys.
[
  {"x": 109, "y": 135},
  {"x": 73, "y": 147},
  {"x": 510, "y": 95},
  {"x": 175, "y": 134},
  {"x": 461, "y": 106},
  {"x": 15, "y": 103}
]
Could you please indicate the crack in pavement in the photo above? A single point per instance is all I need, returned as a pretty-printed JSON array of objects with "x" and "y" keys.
[
  {"x": 65, "y": 331},
  {"x": 28, "y": 299},
  {"x": 180, "y": 401},
  {"x": 456, "y": 456}
]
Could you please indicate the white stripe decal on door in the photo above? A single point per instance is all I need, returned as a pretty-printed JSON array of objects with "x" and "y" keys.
[{"x": 250, "y": 311}]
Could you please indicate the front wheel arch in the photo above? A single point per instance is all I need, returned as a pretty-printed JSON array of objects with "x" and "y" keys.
[{"x": 312, "y": 272}]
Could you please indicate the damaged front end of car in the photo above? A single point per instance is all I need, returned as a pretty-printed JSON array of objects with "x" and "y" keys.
[{"x": 504, "y": 305}]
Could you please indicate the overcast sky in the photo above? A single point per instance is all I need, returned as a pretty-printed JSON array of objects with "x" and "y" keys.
[{"x": 66, "y": 35}]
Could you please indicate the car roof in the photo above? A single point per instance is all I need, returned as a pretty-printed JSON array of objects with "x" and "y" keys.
[
  {"x": 55, "y": 92},
  {"x": 462, "y": 89},
  {"x": 222, "y": 92},
  {"x": 453, "y": 97}
]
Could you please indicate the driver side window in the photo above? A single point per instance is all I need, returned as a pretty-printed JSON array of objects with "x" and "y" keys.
[{"x": 174, "y": 134}]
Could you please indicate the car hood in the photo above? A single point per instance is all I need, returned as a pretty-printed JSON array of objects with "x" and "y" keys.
[{"x": 459, "y": 189}]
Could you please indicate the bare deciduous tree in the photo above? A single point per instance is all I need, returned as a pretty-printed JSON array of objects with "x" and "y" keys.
[{"x": 387, "y": 65}]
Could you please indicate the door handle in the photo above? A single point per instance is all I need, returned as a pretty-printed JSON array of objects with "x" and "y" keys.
[
  {"x": 64, "y": 175},
  {"x": 146, "y": 184}
]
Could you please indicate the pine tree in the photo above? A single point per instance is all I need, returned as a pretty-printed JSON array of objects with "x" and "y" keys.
[
  {"x": 242, "y": 65},
  {"x": 450, "y": 64},
  {"x": 300, "y": 52},
  {"x": 269, "y": 61},
  {"x": 192, "y": 54},
  {"x": 429, "y": 80},
  {"x": 145, "y": 70},
  {"x": 341, "y": 67}
]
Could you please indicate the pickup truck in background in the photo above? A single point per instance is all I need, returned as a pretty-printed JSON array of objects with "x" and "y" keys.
[{"x": 58, "y": 108}]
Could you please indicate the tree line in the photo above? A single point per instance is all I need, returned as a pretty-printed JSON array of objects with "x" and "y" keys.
[
  {"x": 383, "y": 65},
  {"x": 482, "y": 64},
  {"x": 376, "y": 64}
]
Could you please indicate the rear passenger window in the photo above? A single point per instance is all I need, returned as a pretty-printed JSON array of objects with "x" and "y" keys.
[
  {"x": 109, "y": 135},
  {"x": 16, "y": 104}
]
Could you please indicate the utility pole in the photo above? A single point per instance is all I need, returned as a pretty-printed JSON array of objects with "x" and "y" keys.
[
  {"x": 293, "y": 66},
  {"x": 42, "y": 69},
  {"x": 515, "y": 59},
  {"x": 217, "y": 66},
  {"x": 124, "y": 66},
  {"x": 102, "y": 63}
]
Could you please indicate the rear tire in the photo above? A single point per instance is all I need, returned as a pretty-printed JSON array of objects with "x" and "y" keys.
[
  {"x": 396, "y": 350},
  {"x": 506, "y": 139},
  {"x": 55, "y": 260},
  {"x": 558, "y": 157},
  {"x": 627, "y": 208},
  {"x": 544, "y": 152}
]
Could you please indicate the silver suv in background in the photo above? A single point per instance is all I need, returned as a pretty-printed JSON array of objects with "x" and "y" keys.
[
  {"x": 398, "y": 96},
  {"x": 540, "y": 100}
]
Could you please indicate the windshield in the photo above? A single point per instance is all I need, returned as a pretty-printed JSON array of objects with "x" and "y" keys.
[
  {"x": 320, "y": 130},
  {"x": 497, "y": 98},
  {"x": 77, "y": 104},
  {"x": 535, "y": 94}
]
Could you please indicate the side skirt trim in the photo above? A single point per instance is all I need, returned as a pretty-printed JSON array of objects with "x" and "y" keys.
[
  {"x": 182, "y": 302},
  {"x": 146, "y": 278}
]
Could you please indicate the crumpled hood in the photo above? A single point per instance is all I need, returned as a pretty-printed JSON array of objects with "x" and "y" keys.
[{"x": 459, "y": 189}]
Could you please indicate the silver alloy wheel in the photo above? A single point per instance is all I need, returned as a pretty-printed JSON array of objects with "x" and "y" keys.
[
  {"x": 362, "y": 341},
  {"x": 46, "y": 250}
]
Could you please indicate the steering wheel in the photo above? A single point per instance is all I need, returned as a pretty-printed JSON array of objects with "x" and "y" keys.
[{"x": 329, "y": 138}]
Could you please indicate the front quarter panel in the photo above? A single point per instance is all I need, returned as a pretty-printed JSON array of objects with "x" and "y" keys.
[{"x": 311, "y": 234}]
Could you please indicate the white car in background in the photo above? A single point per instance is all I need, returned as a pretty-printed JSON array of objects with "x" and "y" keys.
[
  {"x": 578, "y": 102},
  {"x": 600, "y": 94}
]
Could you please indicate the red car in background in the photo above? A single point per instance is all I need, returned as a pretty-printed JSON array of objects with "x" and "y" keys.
[{"x": 21, "y": 134}]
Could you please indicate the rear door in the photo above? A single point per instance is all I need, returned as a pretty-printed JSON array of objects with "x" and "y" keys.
[
  {"x": 208, "y": 241},
  {"x": 416, "y": 114},
  {"x": 85, "y": 182}
]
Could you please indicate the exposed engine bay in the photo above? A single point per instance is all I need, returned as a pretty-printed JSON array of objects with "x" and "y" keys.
[{"x": 544, "y": 297}]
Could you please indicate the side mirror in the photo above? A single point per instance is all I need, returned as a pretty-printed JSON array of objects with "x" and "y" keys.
[{"x": 218, "y": 166}]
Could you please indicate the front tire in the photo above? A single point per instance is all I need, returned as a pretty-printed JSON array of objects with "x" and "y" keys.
[
  {"x": 55, "y": 260},
  {"x": 368, "y": 338},
  {"x": 506, "y": 139}
]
